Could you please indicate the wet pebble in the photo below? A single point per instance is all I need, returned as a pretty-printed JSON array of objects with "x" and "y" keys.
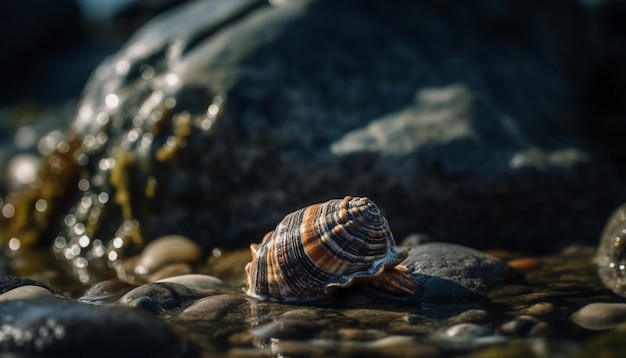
[
  {"x": 520, "y": 326},
  {"x": 524, "y": 263},
  {"x": 175, "y": 269},
  {"x": 541, "y": 309},
  {"x": 69, "y": 328},
  {"x": 26, "y": 292},
  {"x": 166, "y": 250},
  {"x": 509, "y": 291},
  {"x": 447, "y": 272},
  {"x": 467, "y": 336},
  {"x": 107, "y": 291},
  {"x": 600, "y": 315},
  {"x": 202, "y": 284},
  {"x": 391, "y": 346},
  {"x": 212, "y": 308},
  {"x": 472, "y": 315},
  {"x": 287, "y": 329},
  {"x": 9, "y": 282},
  {"x": 157, "y": 297}
]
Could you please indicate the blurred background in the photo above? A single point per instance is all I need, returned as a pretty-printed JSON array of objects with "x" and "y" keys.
[{"x": 49, "y": 50}]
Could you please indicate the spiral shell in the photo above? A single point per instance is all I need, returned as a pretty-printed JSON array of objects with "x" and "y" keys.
[{"x": 322, "y": 247}]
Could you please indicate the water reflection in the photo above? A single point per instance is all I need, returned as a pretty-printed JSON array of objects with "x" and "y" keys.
[
  {"x": 25, "y": 137},
  {"x": 112, "y": 100},
  {"x": 23, "y": 168}
]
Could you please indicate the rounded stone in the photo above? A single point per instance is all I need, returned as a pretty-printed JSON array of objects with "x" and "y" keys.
[
  {"x": 212, "y": 308},
  {"x": 525, "y": 263},
  {"x": 467, "y": 336},
  {"x": 472, "y": 316},
  {"x": 166, "y": 250},
  {"x": 466, "y": 330},
  {"x": 157, "y": 297},
  {"x": 107, "y": 291},
  {"x": 448, "y": 272},
  {"x": 520, "y": 326},
  {"x": 26, "y": 292},
  {"x": 600, "y": 315},
  {"x": 541, "y": 309},
  {"x": 169, "y": 270},
  {"x": 9, "y": 282},
  {"x": 69, "y": 328},
  {"x": 196, "y": 282}
]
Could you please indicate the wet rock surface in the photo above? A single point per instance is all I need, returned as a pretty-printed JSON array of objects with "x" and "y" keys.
[
  {"x": 8, "y": 283},
  {"x": 215, "y": 316},
  {"x": 157, "y": 297},
  {"x": 449, "y": 272},
  {"x": 56, "y": 327}
]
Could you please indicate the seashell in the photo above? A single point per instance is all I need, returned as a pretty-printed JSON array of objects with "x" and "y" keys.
[
  {"x": 611, "y": 254},
  {"x": 325, "y": 246}
]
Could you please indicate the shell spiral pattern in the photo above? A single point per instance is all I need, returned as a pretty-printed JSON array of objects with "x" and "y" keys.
[
  {"x": 324, "y": 246},
  {"x": 611, "y": 254}
]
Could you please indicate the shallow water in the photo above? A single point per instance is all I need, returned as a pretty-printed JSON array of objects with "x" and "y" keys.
[{"x": 528, "y": 315}]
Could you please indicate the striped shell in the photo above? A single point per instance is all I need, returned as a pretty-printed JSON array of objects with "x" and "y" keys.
[{"x": 322, "y": 247}]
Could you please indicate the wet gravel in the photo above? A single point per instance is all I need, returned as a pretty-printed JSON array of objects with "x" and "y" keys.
[{"x": 556, "y": 306}]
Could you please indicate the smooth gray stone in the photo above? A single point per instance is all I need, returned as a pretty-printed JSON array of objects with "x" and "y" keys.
[
  {"x": 157, "y": 297},
  {"x": 26, "y": 292},
  {"x": 449, "y": 272},
  {"x": 600, "y": 315}
]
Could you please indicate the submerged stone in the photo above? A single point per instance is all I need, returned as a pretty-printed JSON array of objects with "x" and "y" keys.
[
  {"x": 448, "y": 272},
  {"x": 66, "y": 328},
  {"x": 157, "y": 297},
  {"x": 106, "y": 291},
  {"x": 600, "y": 315}
]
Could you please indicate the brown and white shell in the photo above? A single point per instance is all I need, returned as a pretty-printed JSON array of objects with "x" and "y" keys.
[{"x": 317, "y": 249}]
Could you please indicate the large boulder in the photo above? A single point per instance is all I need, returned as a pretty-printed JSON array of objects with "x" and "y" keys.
[{"x": 458, "y": 119}]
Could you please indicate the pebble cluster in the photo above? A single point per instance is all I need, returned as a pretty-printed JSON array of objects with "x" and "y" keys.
[{"x": 470, "y": 302}]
